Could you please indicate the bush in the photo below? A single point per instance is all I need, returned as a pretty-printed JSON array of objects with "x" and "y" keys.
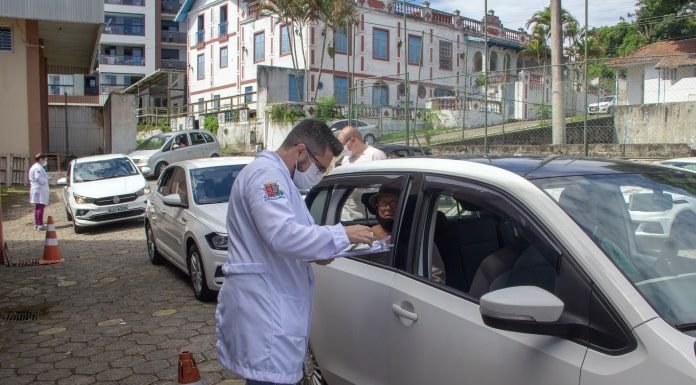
[
  {"x": 211, "y": 123},
  {"x": 280, "y": 113},
  {"x": 326, "y": 109}
]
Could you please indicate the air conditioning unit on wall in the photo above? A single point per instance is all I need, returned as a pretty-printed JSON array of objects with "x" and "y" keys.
[{"x": 243, "y": 115}]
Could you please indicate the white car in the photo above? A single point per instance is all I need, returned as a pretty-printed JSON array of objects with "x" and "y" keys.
[
  {"x": 605, "y": 105},
  {"x": 159, "y": 151},
  {"x": 103, "y": 189},
  {"x": 185, "y": 219},
  {"x": 687, "y": 163},
  {"x": 504, "y": 270}
]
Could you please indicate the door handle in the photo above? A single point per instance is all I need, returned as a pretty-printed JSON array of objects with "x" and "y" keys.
[
  {"x": 182, "y": 219},
  {"x": 401, "y": 312}
]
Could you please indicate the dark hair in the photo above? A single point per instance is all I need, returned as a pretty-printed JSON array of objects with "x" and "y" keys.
[{"x": 316, "y": 135}]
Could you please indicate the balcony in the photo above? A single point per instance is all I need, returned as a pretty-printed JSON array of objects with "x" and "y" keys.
[
  {"x": 174, "y": 37},
  {"x": 128, "y": 60},
  {"x": 173, "y": 64},
  {"x": 170, "y": 7},
  {"x": 139, "y": 3},
  {"x": 200, "y": 36},
  {"x": 125, "y": 29},
  {"x": 222, "y": 28}
]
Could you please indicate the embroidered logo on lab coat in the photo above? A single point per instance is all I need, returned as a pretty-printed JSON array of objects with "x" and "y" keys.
[{"x": 271, "y": 191}]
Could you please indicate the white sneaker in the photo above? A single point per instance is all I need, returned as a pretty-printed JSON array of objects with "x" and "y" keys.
[{"x": 41, "y": 228}]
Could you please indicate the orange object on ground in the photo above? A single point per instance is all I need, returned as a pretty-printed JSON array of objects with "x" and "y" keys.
[
  {"x": 188, "y": 371},
  {"x": 51, "y": 253}
]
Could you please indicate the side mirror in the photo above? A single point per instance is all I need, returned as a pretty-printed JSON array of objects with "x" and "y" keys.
[
  {"x": 62, "y": 181},
  {"x": 523, "y": 309},
  {"x": 173, "y": 200}
]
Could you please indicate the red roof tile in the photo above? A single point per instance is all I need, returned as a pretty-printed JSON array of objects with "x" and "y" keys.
[{"x": 674, "y": 53}]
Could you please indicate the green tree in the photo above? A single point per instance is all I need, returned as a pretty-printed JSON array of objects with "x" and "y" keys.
[{"x": 665, "y": 19}]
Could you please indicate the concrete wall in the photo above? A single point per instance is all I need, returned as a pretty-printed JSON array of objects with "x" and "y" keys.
[
  {"x": 120, "y": 123},
  {"x": 656, "y": 123},
  {"x": 634, "y": 86},
  {"x": 13, "y": 97}
]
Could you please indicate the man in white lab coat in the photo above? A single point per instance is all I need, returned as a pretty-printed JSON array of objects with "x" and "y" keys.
[{"x": 265, "y": 303}]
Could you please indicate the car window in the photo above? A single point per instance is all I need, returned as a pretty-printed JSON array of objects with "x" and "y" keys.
[
  {"x": 152, "y": 143},
  {"x": 208, "y": 137},
  {"x": 359, "y": 123},
  {"x": 338, "y": 125},
  {"x": 180, "y": 140},
  {"x": 197, "y": 138},
  {"x": 492, "y": 243},
  {"x": 178, "y": 185},
  {"x": 213, "y": 184},
  {"x": 164, "y": 186}
]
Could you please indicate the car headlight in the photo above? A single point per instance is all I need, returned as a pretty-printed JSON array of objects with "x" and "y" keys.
[
  {"x": 79, "y": 199},
  {"x": 143, "y": 191},
  {"x": 217, "y": 241}
]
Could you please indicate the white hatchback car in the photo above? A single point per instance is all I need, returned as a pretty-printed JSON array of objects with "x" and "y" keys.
[
  {"x": 505, "y": 270},
  {"x": 185, "y": 219},
  {"x": 103, "y": 189}
]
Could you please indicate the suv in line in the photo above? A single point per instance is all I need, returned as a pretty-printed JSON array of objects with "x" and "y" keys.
[{"x": 156, "y": 152}]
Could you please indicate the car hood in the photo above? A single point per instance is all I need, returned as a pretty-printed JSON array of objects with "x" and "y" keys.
[
  {"x": 141, "y": 154},
  {"x": 110, "y": 187},
  {"x": 214, "y": 215}
]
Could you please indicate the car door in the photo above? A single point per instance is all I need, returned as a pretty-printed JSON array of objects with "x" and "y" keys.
[
  {"x": 199, "y": 146},
  {"x": 213, "y": 147},
  {"x": 351, "y": 311},
  {"x": 158, "y": 208},
  {"x": 181, "y": 148},
  {"x": 436, "y": 332},
  {"x": 173, "y": 219}
]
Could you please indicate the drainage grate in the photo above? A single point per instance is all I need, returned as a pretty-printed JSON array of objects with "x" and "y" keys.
[
  {"x": 26, "y": 262},
  {"x": 19, "y": 316}
]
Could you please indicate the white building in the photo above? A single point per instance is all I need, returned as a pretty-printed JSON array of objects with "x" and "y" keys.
[
  {"x": 661, "y": 72},
  {"x": 222, "y": 61}
]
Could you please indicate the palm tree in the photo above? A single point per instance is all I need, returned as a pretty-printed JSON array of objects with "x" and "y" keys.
[{"x": 335, "y": 15}]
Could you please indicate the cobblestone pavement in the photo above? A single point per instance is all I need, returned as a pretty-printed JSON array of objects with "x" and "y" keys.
[{"x": 105, "y": 316}]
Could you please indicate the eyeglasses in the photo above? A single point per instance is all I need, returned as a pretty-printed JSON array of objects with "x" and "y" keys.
[
  {"x": 384, "y": 203},
  {"x": 321, "y": 167}
]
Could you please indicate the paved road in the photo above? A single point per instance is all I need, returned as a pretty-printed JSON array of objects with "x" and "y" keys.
[{"x": 105, "y": 316}]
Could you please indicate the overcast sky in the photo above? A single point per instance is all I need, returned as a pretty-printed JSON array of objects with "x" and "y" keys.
[{"x": 515, "y": 13}]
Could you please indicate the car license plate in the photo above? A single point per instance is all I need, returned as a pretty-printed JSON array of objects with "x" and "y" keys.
[{"x": 118, "y": 209}]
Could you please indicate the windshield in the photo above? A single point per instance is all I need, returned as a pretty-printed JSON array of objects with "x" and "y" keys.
[
  {"x": 213, "y": 184},
  {"x": 153, "y": 143},
  {"x": 644, "y": 223},
  {"x": 103, "y": 169}
]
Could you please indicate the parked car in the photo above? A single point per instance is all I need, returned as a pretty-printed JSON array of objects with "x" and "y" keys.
[
  {"x": 369, "y": 132},
  {"x": 687, "y": 163},
  {"x": 103, "y": 189},
  {"x": 605, "y": 105},
  {"x": 185, "y": 219},
  {"x": 504, "y": 270},
  {"x": 160, "y": 150},
  {"x": 402, "y": 150}
]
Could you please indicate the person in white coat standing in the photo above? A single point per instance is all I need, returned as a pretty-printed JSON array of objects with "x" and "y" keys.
[
  {"x": 265, "y": 302},
  {"x": 38, "y": 190}
]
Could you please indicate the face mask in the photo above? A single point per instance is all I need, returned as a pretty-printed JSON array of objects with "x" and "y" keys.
[
  {"x": 387, "y": 224},
  {"x": 307, "y": 179},
  {"x": 44, "y": 163}
]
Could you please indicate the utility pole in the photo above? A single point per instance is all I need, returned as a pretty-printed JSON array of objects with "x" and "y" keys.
[
  {"x": 406, "y": 79},
  {"x": 558, "y": 108},
  {"x": 67, "y": 143},
  {"x": 584, "y": 70}
]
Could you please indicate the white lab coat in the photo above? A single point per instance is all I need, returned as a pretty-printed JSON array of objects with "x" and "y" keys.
[
  {"x": 265, "y": 302},
  {"x": 38, "y": 182}
]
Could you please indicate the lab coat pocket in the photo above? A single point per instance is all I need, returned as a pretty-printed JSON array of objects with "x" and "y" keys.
[{"x": 294, "y": 313}]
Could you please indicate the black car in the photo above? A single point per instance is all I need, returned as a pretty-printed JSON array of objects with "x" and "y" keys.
[{"x": 402, "y": 150}]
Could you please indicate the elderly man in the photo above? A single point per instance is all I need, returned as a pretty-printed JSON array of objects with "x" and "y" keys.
[{"x": 357, "y": 151}]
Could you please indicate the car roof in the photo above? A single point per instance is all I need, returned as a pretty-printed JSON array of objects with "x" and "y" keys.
[
  {"x": 528, "y": 167},
  {"x": 94, "y": 158},
  {"x": 680, "y": 160},
  {"x": 216, "y": 161},
  {"x": 170, "y": 133}
]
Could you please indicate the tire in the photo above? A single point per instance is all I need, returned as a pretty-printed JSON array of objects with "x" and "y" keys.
[
  {"x": 199, "y": 284},
  {"x": 370, "y": 139},
  {"x": 313, "y": 374},
  {"x": 67, "y": 215},
  {"x": 159, "y": 168},
  {"x": 215, "y": 156},
  {"x": 152, "y": 253},
  {"x": 77, "y": 229}
]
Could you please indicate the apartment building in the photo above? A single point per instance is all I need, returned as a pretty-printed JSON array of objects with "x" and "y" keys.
[{"x": 442, "y": 53}]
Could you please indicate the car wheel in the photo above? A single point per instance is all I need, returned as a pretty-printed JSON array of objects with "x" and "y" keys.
[
  {"x": 370, "y": 139},
  {"x": 159, "y": 168},
  {"x": 152, "y": 253},
  {"x": 77, "y": 229},
  {"x": 215, "y": 156},
  {"x": 197, "y": 275},
  {"x": 313, "y": 375},
  {"x": 67, "y": 215}
]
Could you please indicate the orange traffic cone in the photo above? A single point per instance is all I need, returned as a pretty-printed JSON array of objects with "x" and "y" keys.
[
  {"x": 188, "y": 371},
  {"x": 51, "y": 253}
]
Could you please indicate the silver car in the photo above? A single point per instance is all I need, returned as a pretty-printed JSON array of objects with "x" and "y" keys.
[
  {"x": 510, "y": 270},
  {"x": 369, "y": 132},
  {"x": 159, "y": 151},
  {"x": 185, "y": 219}
]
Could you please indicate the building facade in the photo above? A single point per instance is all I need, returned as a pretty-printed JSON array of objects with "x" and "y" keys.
[
  {"x": 441, "y": 54},
  {"x": 37, "y": 38}
]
